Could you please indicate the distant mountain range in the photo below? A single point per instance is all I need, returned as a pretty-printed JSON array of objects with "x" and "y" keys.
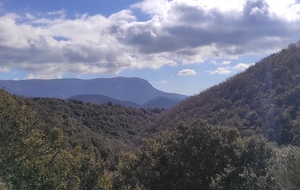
[{"x": 133, "y": 92}]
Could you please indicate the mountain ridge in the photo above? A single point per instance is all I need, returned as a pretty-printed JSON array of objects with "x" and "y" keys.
[
  {"x": 132, "y": 89},
  {"x": 159, "y": 101}
]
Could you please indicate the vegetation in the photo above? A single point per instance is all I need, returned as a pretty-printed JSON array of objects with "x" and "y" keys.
[
  {"x": 263, "y": 99},
  {"x": 287, "y": 167},
  {"x": 106, "y": 127},
  {"x": 198, "y": 157},
  {"x": 33, "y": 154},
  {"x": 241, "y": 134}
]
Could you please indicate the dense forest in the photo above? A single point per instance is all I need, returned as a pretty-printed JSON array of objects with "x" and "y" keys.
[
  {"x": 240, "y": 134},
  {"x": 263, "y": 99}
]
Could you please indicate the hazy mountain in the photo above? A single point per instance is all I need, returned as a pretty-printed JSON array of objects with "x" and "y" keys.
[
  {"x": 121, "y": 88},
  {"x": 266, "y": 97},
  {"x": 151, "y": 104},
  {"x": 100, "y": 99},
  {"x": 160, "y": 102}
]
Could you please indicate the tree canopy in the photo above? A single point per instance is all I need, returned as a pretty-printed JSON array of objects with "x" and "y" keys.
[{"x": 200, "y": 156}]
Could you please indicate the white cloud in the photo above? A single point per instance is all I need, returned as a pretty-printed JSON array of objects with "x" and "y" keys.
[
  {"x": 186, "y": 72},
  {"x": 242, "y": 66},
  {"x": 153, "y": 7},
  {"x": 214, "y": 62},
  {"x": 220, "y": 63},
  {"x": 29, "y": 16},
  {"x": 4, "y": 70},
  {"x": 226, "y": 62},
  {"x": 230, "y": 69},
  {"x": 178, "y": 32},
  {"x": 59, "y": 13},
  {"x": 162, "y": 82},
  {"x": 42, "y": 76},
  {"x": 220, "y": 70}
]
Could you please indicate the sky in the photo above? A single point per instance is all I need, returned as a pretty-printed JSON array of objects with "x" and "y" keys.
[{"x": 180, "y": 46}]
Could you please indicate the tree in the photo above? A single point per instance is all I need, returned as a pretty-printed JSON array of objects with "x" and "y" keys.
[
  {"x": 197, "y": 157},
  {"x": 287, "y": 168},
  {"x": 33, "y": 154}
]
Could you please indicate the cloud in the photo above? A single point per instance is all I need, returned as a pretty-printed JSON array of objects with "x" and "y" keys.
[
  {"x": 4, "y": 70},
  {"x": 242, "y": 66},
  {"x": 186, "y": 72},
  {"x": 226, "y": 62},
  {"x": 214, "y": 62},
  {"x": 162, "y": 82},
  {"x": 220, "y": 63},
  {"x": 29, "y": 16},
  {"x": 221, "y": 71},
  {"x": 41, "y": 76},
  {"x": 177, "y": 32},
  {"x": 223, "y": 29},
  {"x": 230, "y": 69}
]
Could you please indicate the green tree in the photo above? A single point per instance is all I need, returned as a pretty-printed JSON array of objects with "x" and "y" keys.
[
  {"x": 287, "y": 168},
  {"x": 28, "y": 146},
  {"x": 33, "y": 154},
  {"x": 197, "y": 157}
]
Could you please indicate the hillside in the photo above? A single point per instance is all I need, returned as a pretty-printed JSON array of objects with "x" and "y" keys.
[
  {"x": 162, "y": 102},
  {"x": 263, "y": 98},
  {"x": 120, "y": 88},
  {"x": 101, "y": 99},
  {"x": 114, "y": 127},
  {"x": 49, "y": 143}
]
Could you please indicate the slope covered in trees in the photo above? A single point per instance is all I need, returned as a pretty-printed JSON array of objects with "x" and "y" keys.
[
  {"x": 263, "y": 98},
  {"x": 110, "y": 125},
  {"x": 33, "y": 153}
]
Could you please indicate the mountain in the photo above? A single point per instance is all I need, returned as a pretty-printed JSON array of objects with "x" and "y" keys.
[
  {"x": 121, "y": 88},
  {"x": 101, "y": 99},
  {"x": 264, "y": 98},
  {"x": 151, "y": 104},
  {"x": 161, "y": 102}
]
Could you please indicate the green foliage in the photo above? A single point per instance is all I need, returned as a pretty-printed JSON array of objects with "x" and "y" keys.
[
  {"x": 33, "y": 154},
  {"x": 264, "y": 98},
  {"x": 26, "y": 142},
  {"x": 105, "y": 127},
  {"x": 197, "y": 157},
  {"x": 287, "y": 168}
]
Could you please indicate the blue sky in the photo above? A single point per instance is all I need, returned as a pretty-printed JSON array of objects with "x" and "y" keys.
[{"x": 182, "y": 46}]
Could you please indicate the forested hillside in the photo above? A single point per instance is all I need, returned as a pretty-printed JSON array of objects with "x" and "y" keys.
[
  {"x": 118, "y": 127},
  {"x": 263, "y": 98},
  {"x": 34, "y": 153},
  {"x": 49, "y": 143}
]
